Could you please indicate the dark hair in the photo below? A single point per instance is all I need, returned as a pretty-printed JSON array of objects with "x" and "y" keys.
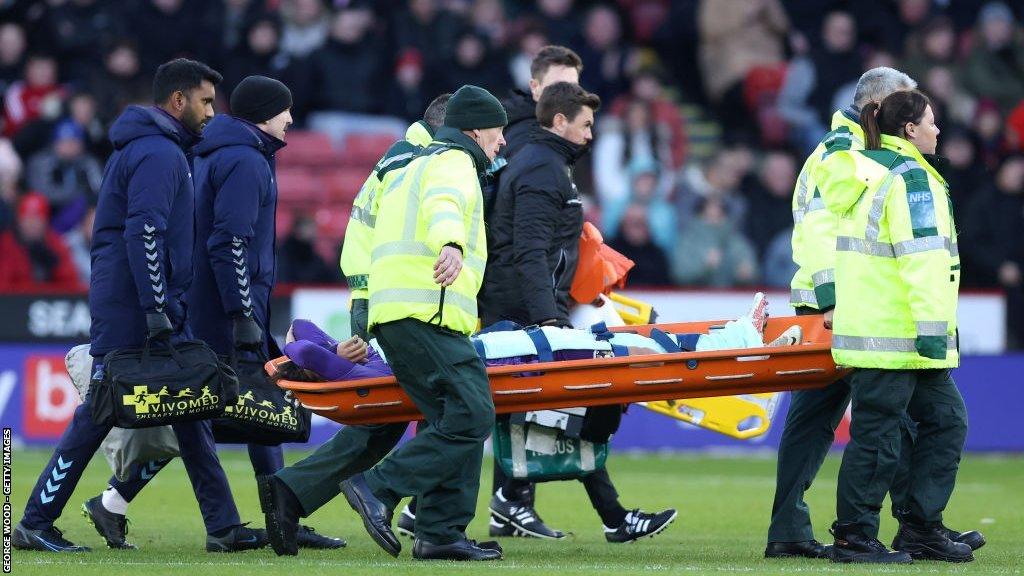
[
  {"x": 554, "y": 56},
  {"x": 891, "y": 116},
  {"x": 434, "y": 115},
  {"x": 182, "y": 75},
  {"x": 564, "y": 98}
]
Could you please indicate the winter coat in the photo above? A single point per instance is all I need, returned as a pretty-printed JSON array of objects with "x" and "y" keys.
[
  {"x": 236, "y": 205},
  {"x": 533, "y": 235},
  {"x": 46, "y": 265},
  {"x": 143, "y": 233},
  {"x": 521, "y": 109}
]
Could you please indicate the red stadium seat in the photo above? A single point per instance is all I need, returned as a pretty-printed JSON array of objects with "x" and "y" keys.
[
  {"x": 307, "y": 148},
  {"x": 365, "y": 149},
  {"x": 343, "y": 184},
  {"x": 299, "y": 186}
]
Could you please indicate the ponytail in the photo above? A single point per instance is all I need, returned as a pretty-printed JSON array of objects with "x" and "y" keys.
[
  {"x": 891, "y": 116},
  {"x": 869, "y": 123}
]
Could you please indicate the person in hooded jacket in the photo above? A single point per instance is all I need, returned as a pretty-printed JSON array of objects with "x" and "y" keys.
[
  {"x": 141, "y": 269},
  {"x": 233, "y": 272},
  {"x": 552, "y": 64},
  {"x": 533, "y": 243}
]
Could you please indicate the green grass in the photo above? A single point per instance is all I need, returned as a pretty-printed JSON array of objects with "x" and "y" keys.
[{"x": 724, "y": 506}]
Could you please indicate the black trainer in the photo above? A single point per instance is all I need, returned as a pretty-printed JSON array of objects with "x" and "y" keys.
[
  {"x": 112, "y": 527},
  {"x": 972, "y": 538},
  {"x": 49, "y": 540},
  {"x": 805, "y": 549},
  {"x": 930, "y": 543},
  {"x": 280, "y": 513},
  {"x": 639, "y": 524},
  {"x": 498, "y": 528},
  {"x": 522, "y": 517},
  {"x": 852, "y": 546},
  {"x": 406, "y": 525},
  {"x": 238, "y": 539},
  {"x": 308, "y": 538}
]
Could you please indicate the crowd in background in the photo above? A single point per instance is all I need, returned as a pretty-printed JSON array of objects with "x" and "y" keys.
[{"x": 710, "y": 108}]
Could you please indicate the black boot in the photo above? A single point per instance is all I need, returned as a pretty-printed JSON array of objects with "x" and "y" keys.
[
  {"x": 930, "y": 543},
  {"x": 113, "y": 527},
  {"x": 972, "y": 538},
  {"x": 805, "y": 549},
  {"x": 851, "y": 545},
  {"x": 281, "y": 511}
]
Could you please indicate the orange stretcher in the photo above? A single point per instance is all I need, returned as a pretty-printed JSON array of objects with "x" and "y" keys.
[{"x": 566, "y": 384}]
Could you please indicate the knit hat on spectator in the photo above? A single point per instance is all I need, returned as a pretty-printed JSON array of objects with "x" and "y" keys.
[
  {"x": 33, "y": 204},
  {"x": 257, "y": 99},
  {"x": 68, "y": 130},
  {"x": 472, "y": 107}
]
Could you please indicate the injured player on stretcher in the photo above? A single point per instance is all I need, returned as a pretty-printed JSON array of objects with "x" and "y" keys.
[{"x": 317, "y": 357}]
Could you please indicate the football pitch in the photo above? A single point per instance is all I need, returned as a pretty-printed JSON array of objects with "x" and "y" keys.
[{"x": 724, "y": 504}]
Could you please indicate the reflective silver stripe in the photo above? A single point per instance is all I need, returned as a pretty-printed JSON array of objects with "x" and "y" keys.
[
  {"x": 816, "y": 203},
  {"x": 801, "y": 191},
  {"x": 476, "y": 263},
  {"x": 798, "y": 216},
  {"x": 401, "y": 248},
  {"x": 440, "y": 190},
  {"x": 363, "y": 215},
  {"x": 394, "y": 159},
  {"x": 932, "y": 328},
  {"x": 824, "y": 277},
  {"x": 423, "y": 296},
  {"x": 905, "y": 167},
  {"x": 850, "y": 244},
  {"x": 879, "y": 344},
  {"x": 444, "y": 217},
  {"x": 921, "y": 245},
  {"x": 878, "y": 205},
  {"x": 797, "y": 296},
  {"x": 954, "y": 250}
]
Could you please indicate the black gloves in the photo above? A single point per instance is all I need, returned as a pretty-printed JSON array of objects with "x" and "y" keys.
[
  {"x": 247, "y": 334},
  {"x": 158, "y": 325}
]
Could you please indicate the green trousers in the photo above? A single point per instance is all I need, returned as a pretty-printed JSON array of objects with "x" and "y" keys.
[
  {"x": 444, "y": 377},
  {"x": 871, "y": 460}
]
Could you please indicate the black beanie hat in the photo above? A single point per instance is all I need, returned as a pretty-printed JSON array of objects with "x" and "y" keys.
[
  {"x": 472, "y": 107},
  {"x": 258, "y": 99}
]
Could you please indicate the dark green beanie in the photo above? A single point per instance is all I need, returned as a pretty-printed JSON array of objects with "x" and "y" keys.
[{"x": 472, "y": 107}]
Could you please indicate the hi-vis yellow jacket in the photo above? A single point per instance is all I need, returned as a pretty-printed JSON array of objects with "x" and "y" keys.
[
  {"x": 814, "y": 227},
  {"x": 433, "y": 202},
  {"x": 355, "y": 250},
  {"x": 897, "y": 263}
]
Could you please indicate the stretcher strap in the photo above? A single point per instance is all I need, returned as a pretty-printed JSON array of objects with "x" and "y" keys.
[
  {"x": 666, "y": 341},
  {"x": 544, "y": 353}
]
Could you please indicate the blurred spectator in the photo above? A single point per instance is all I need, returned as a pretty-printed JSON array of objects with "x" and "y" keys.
[
  {"x": 10, "y": 174},
  {"x": 1015, "y": 129},
  {"x": 644, "y": 188},
  {"x": 12, "y": 54},
  {"x": 603, "y": 53},
  {"x": 121, "y": 81},
  {"x": 988, "y": 127},
  {"x": 965, "y": 175},
  {"x": 995, "y": 68},
  {"x": 648, "y": 87},
  {"x": 66, "y": 175},
  {"x": 258, "y": 54},
  {"x": 344, "y": 103},
  {"x": 82, "y": 111},
  {"x": 809, "y": 90},
  {"x": 634, "y": 241},
  {"x": 777, "y": 265},
  {"x": 79, "y": 243},
  {"x": 676, "y": 43},
  {"x": 719, "y": 178},
  {"x": 736, "y": 37},
  {"x": 487, "y": 18},
  {"x": 561, "y": 23},
  {"x": 165, "y": 29},
  {"x": 406, "y": 97},
  {"x": 949, "y": 102},
  {"x": 79, "y": 29},
  {"x": 298, "y": 261},
  {"x": 233, "y": 19},
  {"x": 430, "y": 29},
  {"x": 993, "y": 240},
  {"x": 37, "y": 95},
  {"x": 306, "y": 26},
  {"x": 770, "y": 200},
  {"x": 34, "y": 255},
  {"x": 711, "y": 251},
  {"x": 933, "y": 45},
  {"x": 530, "y": 43},
  {"x": 475, "y": 63}
]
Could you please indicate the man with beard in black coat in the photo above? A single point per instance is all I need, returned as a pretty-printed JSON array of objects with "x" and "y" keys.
[{"x": 533, "y": 242}]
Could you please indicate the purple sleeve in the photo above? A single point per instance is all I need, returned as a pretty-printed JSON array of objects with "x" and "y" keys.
[{"x": 329, "y": 365}]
